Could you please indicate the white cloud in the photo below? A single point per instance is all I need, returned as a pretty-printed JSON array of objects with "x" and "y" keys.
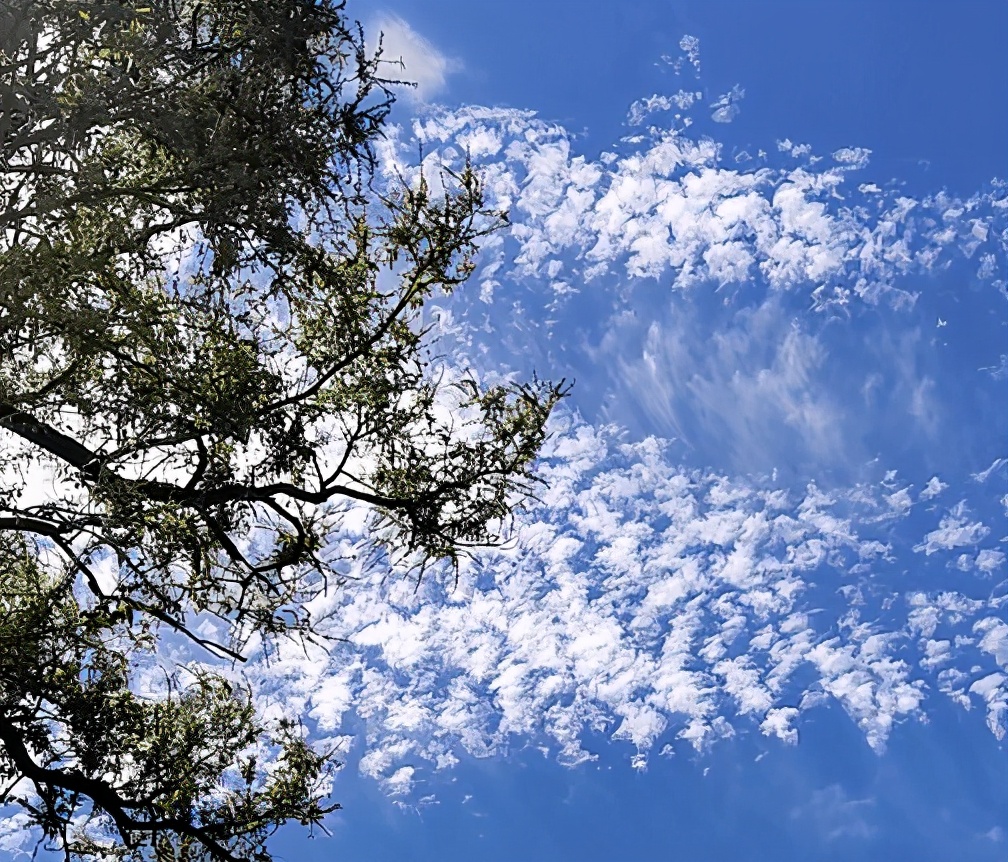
[
  {"x": 993, "y": 690},
  {"x": 994, "y": 639},
  {"x": 16, "y": 834},
  {"x": 646, "y": 241},
  {"x": 746, "y": 379},
  {"x": 954, "y": 531},
  {"x": 726, "y": 107},
  {"x": 936, "y": 653},
  {"x": 657, "y": 604},
  {"x": 933, "y": 488},
  {"x": 649, "y": 597},
  {"x": 778, "y": 722},
  {"x": 852, "y": 157},
  {"x": 989, "y": 560},
  {"x": 410, "y": 57},
  {"x": 995, "y": 467}
]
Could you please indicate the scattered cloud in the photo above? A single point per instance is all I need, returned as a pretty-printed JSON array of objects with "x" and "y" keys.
[
  {"x": 726, "y": 107},
  {"x": 852, "y": 158},
  {"x": 954, "y": 531},
  {"x": 666, "y": 592},
  {"x": 663, "y": 606}
]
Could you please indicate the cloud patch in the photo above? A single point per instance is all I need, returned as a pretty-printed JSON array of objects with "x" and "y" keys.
[{"x": 411, "y": 58}]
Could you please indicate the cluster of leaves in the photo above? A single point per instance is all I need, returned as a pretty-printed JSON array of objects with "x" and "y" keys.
[
  {"x": 72, "y": 729},
  {"x": 208, "y": 338}
]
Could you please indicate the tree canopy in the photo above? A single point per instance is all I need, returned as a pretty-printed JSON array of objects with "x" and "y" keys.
[{"x": 209, "y": 338}]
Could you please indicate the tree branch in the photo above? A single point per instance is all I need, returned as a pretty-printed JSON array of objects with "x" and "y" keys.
[{"x": 102, "y": 794}]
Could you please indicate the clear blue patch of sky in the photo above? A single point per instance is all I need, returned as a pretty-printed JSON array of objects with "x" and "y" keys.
[{"x": 748, "y": 798}]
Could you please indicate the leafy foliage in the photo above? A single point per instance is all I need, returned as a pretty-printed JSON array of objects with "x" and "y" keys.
[{"x": 209, "y": 338}]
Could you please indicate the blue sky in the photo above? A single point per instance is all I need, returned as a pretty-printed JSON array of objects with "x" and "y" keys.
[{"x": 760, "y": 610}]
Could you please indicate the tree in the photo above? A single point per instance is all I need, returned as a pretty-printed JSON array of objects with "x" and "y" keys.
[{"x": 209, "y": 337}]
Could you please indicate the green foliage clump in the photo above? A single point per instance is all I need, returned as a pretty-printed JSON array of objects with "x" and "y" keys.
[{"x": 209, "y": 338}]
